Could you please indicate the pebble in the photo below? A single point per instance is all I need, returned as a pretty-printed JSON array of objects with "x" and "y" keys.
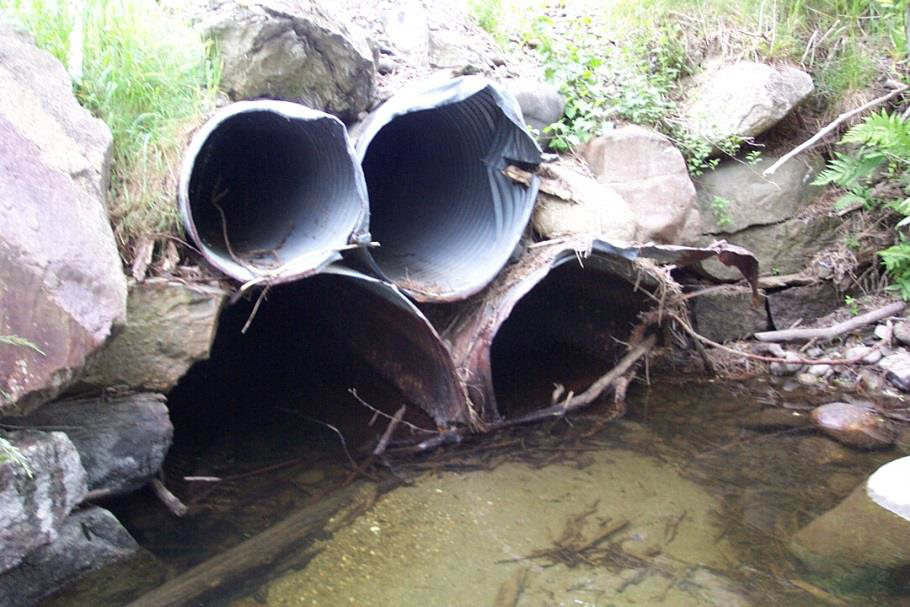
[
  {"x": 871, "y": 381},
  {"x": 821, "y": 370},
  {"x": 853, "y": 425},
  {"x": 807, "y": 379},
  {"x": 897, "y": 369},
  {"x": 868, "y": 354},
  {"x": 782, "y": 369}
]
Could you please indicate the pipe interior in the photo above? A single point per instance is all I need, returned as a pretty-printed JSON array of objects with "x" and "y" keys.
[
  {"x": 277, "y": 187},
  {"x": 263, "y": 389},
  {"x": 566, "y": 330},
  {"x": 443, "y": 217}
]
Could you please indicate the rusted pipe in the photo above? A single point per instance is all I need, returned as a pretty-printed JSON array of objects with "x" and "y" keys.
[
  {"x": 270, "y": 191},
  {"x": 445, "y": 215}
]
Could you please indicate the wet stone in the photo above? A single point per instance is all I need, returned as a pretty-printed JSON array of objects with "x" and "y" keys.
[
  {"x": 823, "y": 451},
  {"x": 854, "y": 425},
  {"x": 902, "y": 332},
  {"x": 776, "y": 419}
]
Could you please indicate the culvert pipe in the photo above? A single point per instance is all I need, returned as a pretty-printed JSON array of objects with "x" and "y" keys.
[
  {"x": 446, "y": 216},
  {"x": 270, "y": 191},
  {"x": 559, "y": 301}
]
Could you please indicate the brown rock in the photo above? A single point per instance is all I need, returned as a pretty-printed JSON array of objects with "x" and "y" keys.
[
  {"x": 854, "y": 425},
  {"x": 823, "y": 451}
]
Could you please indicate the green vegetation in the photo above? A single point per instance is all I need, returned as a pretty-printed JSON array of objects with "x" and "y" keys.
[
  {"x": 145, "y": 73},
  {"x": 623, "y": 60},
  {"x": 876, "y": 174},
  {"x": 15, "y": 340},
  {"x": 720, "y": 206}
]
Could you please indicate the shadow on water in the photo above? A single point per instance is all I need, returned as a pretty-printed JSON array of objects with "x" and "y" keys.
[{"x": 676, "y": 504}]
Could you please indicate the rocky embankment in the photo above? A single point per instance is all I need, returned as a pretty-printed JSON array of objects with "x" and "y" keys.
[{"x": 87, "y": 346}]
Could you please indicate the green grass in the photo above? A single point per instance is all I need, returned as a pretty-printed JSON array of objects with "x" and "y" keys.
[
  {"x": 625, "y": 59},
  {"x": 148, "y": 76}
]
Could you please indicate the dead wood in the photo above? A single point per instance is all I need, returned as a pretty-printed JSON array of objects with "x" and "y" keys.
[
  {"x": 170, "y": 501},
  {"x": 828, "y": 128},
  {"x": 260, "y": 551},
  {"x": 835, "y": 330}
]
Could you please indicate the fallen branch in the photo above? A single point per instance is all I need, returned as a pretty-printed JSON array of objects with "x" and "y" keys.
[
  {"x": 830, "y": 127},
  {"x": 835, "y": 330},
  {"x": 589, "y": 395},
  {"x": 389, "y": 431},
  {"x": 258, "y": 552},
  {"x": 171, "y": 501}
]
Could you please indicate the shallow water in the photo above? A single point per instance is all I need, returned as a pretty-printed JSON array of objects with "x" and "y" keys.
[{"x": 675, "y": 505}]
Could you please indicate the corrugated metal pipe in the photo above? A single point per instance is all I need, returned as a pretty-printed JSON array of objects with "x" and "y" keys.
[
  {"x": 270, "y": 191},
  {"x": 446, "y": 216}
]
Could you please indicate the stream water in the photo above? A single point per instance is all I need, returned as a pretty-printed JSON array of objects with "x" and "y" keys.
[{"x": 676, "y": 505}]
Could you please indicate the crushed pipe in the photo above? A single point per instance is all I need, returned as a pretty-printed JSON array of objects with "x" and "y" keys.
[
  {"x": 444, "y": 212},
  {"x": 270, "y": 191}
]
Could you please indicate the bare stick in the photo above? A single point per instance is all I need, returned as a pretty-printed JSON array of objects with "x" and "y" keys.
[
  {"x": 171, "y": 501},
  {"x": 593, "y": 391},
  {"x": 830, "y": 127},
  {"x": 389, "y": 431},
  {"x": 833, "y": 331}
]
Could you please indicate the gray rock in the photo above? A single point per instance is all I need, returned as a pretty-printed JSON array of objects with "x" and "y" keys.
[
  {"x": 56, "y": 244},
  {"x": 854, "y": 425},
  {"x": 868, "y": 354},
  {"x": 451, "y": 50},
  {"x": 805, "y": 304},
  {"x": 541, "y": 104},
  {"x": 171, "y": 326},
  {"x": 754, "y": 200},
  {"x": 744, "y": 99},
  {"x": 650, "y": 174},
  {"x": 866, "y": 536},
  {"x": 790, "y": 368},
  {"x": 89, "y": 540},
  {"x": 583, "y": 207},
  {"x": 902, "y": 332},
  {"x": 407, "y": 27},
  {"x": 871, "y": 380},
  {"x": 820, "y": 370},
  {"x": 121, "y": 441},
  {"x": 385, "y": 64},
  {"x": 897, "y": 369},
  {"x": 729, "y": 314},
  {"x": 290, "y": 50},
  {"x": 781, "y": 248},
  {"x": 35, "y": 502},
  {"x": 883, "y": 332},
  {"x": 807, "y": 379}
]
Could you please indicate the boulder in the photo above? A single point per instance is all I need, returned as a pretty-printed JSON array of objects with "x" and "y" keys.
[
  {"x": 805, "y": 304},
  {"x": 854, "y": 425},
  {"x": 750, "y": 199},
  {"x": 650, "y": 174},
  {"x": 570, "y": 203},
  {"x": 62, "y": 287},
  {"x": 865, "y": 538},
  {"x": 36, "y": 498},
  {"x": 290, "y": 50},
  {"x": 89, "y": 540},
  {"x": 781, "y": 248},
  {"x": 171, "y": 326},
  {"x": 743, "y": 99},
  {"x": 121, "y": 441},
  {"x": 729, "y": 314},
  {"x": 541, "y": 104}
]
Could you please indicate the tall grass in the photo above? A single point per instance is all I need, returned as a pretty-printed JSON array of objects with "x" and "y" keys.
[{"x": 148, "y": 75}]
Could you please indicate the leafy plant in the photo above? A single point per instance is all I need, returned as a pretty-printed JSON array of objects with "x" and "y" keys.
[
  {"x": 15, "y": 340},
  {"x": 852, "y": 304},
  {"x": 9, "y": 452},
  {"x": 876, "y": 175},
  {"x": 720, "y": 206}
]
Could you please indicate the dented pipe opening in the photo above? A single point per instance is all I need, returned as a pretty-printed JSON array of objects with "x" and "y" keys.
[
  {"x": 446, "y": 217},
  {"x": 271, "y": 188},
  {"x": 309, "y": 343},
  {"x": 567, "y": 330}
]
